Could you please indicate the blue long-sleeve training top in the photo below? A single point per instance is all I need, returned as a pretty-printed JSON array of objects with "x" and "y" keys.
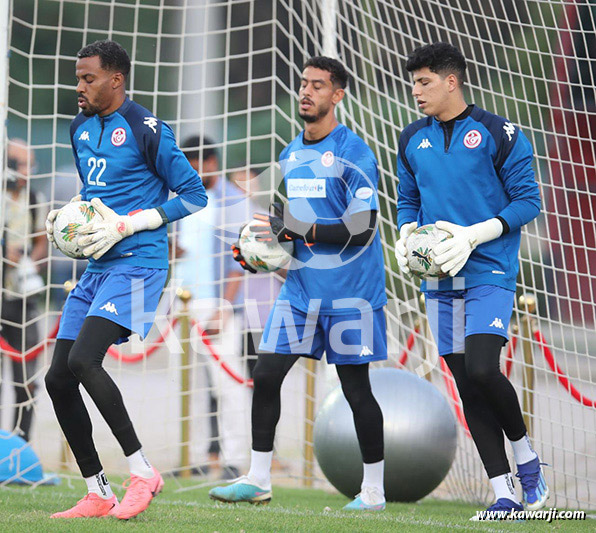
[
  {"x": 483, "y": 170},
  {"x": 130, "y": 160}
]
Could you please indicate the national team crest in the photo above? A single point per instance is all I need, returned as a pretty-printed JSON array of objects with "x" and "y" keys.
[
  {"x": 118, "y": 136},
  {"x": 472, "y": 139},
  {"x": 327, "y": 158}
]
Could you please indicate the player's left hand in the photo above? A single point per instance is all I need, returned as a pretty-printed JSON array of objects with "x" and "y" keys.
[
  {"x": 452, "y": 254},
  {"x": 280, "y": 226},
  {"x": 98, "y": 237}
]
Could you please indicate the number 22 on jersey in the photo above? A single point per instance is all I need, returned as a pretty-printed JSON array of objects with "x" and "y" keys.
[{"x": 98, "y": 167}]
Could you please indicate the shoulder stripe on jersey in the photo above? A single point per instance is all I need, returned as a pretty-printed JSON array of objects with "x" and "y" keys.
[
  {"x": 500, "y": 130},
  {"x": 146, "y": 129},
  {"x": 408, "y": 132}
]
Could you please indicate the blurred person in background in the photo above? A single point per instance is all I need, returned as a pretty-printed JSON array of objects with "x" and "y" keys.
[
  {"x": 65, "y": 185},
  {"x": 205, "y": 267},
  {"x": 24, "y": 249},
  {"x": 260, "y": 290}
]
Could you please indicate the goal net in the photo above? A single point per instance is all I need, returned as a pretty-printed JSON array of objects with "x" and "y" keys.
[{"x": 225, "y": 75}]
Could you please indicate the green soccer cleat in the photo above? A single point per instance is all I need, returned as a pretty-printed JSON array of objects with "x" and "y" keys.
[{"x": 242, "y": 490}]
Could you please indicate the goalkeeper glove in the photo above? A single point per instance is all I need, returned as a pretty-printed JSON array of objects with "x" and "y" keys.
[
  {"x": 452, "y": 254},
  {"x": 401, "y": 252},
  {"x": 281, "y": 226},
  {"x": 98, "y": 237},
  {"x": 238, "y": 255},
  {"x": 52, "y": 217}
]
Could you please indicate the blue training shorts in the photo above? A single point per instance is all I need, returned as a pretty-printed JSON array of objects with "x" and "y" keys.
[
  {"x": 349, "y": 339},
  {"x": 126, "y": 295},
  {"x": 454, "y": 315}
]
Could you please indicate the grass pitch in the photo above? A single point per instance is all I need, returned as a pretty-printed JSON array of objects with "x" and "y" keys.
[{"x": 181, "y": 508}]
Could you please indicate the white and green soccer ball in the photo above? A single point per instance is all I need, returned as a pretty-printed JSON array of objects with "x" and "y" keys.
[
  {"x": 66, "y": 227},
  {"x": 264, "y": 256},
  {"x": 420, "y": 246}
]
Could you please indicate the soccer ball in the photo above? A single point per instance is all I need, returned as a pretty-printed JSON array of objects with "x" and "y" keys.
[
  {"x": 420, "y": 244},
  {"x": 68, "y": 221},
  {"x": 264, "y": 256}
]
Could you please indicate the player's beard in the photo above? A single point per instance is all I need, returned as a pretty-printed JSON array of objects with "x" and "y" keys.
[
  {"x": 90, "y": 110},
  {"x": 320, "y": 112}
]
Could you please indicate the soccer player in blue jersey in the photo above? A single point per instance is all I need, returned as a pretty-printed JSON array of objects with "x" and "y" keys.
[
  {"x": 470, "y": 173},
  {"x": 334, "y": 294},
  {"x": 128, "y": 161}
]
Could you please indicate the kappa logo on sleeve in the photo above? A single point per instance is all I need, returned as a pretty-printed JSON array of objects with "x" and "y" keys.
[
  {"x": 151, "y": 122},
  {"x": 109, "y": 307},
  {"x": 509, "y": 129}
]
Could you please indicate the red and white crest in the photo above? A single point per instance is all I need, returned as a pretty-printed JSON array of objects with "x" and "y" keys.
[
  {"x": 472, "y": 139},
  {"x": 327, "y": 158},
  {"x": 118, "y": 136}
]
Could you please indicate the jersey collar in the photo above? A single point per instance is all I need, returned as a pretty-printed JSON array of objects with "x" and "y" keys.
[
  {"x": 317, "y": 141},
  {"x": 462, "y": 116}
]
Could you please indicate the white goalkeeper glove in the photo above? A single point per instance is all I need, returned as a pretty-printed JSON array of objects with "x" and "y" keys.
[
  {"x": 452, "y": 254},
  {"x": 401, "y": 252},
  {"x": 98, "y": 237},
  {"x": 52, "y": 217}
]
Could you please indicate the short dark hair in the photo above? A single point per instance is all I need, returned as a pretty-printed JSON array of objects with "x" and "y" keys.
[
  {"x": 441, "y": 58},
  {"x": 192, "y": 147},
  {"x": 111, "y": 54},
  {"x": 339, "y": 74}
]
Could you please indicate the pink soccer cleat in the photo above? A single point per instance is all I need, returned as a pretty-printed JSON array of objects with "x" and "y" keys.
[
  {"x": 90, "y": 506},
  {"x": 139, "y": 493}
]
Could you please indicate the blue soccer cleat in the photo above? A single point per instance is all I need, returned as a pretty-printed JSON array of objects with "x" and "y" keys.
[
  {"x": 370, "y": 499},
  {"x": 242, "y": 490},
  {"x": 500, "y": 510},
  {"x": 533, "y": 484}
]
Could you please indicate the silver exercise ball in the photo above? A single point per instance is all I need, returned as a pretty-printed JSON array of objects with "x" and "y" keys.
[{"x": 420, "y": 437}]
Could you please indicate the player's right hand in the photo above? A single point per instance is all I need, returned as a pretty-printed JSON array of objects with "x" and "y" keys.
[
  {"x": 52, "y": 217},
  {"x": 50, "y": 226},
  {"x": 240, "y": 258},
  {"x": 238, "y": 254},
  {"x": 401, "y": 252}
]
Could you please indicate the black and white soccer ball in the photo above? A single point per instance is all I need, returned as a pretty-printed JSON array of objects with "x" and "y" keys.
[
  {"x": 420, "y": 245},
  {"x": 66, "y": 227},
  {"x": 264, "y": 256}
]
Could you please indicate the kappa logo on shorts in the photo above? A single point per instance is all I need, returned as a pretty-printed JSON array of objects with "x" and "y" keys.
[
  {"x": 109, "y": 307},
  {"x": 365, "y": 351},
  {"x": 497, "y": 323}
]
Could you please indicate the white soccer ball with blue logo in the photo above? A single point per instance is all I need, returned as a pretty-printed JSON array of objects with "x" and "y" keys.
[
  {"x": 420, "y": 245},
  {"x": 68, "y": 221},
  {"x": 264, "y": 256}
]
